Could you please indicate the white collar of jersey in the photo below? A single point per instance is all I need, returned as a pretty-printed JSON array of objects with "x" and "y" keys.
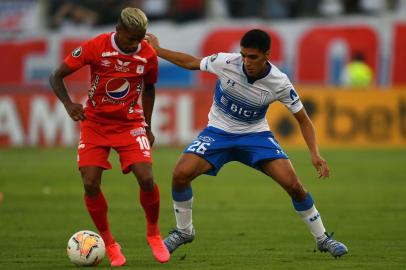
[{"x": 113, "y": 43}]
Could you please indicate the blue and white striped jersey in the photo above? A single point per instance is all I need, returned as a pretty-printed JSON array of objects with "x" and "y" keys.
[{"x": 239, "y": 106}]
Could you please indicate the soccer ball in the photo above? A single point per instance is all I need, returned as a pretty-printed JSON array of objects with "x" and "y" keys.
[{"x": 86, "y": 248}]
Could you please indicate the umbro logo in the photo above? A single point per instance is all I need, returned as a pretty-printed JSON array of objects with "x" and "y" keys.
[{"x": 105, "y": 63}]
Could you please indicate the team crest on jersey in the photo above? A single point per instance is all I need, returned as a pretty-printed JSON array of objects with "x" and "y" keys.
[
  {"x": 117, "y": 88},
  {"x": 77, "y": 52},
  {"x": 140, "y": 69}
]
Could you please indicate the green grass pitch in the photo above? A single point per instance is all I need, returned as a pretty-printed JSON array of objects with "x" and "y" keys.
[{"x": 243, "y": 219}]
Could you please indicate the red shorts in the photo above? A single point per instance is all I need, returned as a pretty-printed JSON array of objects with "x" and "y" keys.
[{"x": 96, "y": 140}]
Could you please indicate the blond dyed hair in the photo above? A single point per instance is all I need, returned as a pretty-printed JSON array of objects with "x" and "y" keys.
[{"x": 134, "y": 19}]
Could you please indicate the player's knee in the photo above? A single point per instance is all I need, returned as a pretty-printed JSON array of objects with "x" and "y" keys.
[
  {"x": 296, "y": 190},
  {"x": 146, "y": 182},
  {"x": 91, "y": 188},
  {"x": 181, "y": 176},
  {"x": 90, "y": 183}
]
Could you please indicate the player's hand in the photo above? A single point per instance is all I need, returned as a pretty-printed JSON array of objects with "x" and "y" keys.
[
  {"x": 75, "y": 111},
  {"x": 321, "y": 166},
  {"x": 152, "y": 40},
  {"x": 150, "y": 135}
]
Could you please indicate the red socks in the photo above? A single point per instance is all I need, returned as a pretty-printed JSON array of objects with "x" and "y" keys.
[
  {"x": 150, "y": 203},
  {"x": 97, "y": 208}
]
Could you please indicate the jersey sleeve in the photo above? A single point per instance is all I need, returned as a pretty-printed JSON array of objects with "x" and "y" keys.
[
  {"x": 151, "y": 77},
  {"x": 289, "y": 97},
  {"x": 81, "y": 56},
  {"x": 213, "y": 63}
]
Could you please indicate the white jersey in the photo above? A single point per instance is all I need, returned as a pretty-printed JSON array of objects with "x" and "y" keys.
[{"x": 239, "y": 106}]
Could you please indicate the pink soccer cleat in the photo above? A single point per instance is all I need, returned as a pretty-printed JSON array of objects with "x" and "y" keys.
[
  {"x": 158, "y": 247},
  {"x": 115, "y": 255}
]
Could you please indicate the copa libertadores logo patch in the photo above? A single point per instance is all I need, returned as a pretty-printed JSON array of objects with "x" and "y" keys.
[{"x": 77, "y": 52}]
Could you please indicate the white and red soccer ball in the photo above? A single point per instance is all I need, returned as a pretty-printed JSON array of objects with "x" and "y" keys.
[{"x": 86, "y": 248}]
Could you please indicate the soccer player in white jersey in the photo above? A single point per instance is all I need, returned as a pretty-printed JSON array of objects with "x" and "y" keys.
[{"x": 238, "y": 131}]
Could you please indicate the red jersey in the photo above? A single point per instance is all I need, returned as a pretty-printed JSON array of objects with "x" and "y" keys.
[{"x": 117, "y": 78}]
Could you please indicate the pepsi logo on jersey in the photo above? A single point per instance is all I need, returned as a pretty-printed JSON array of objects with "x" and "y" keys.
[{"x": 117, "y": 88}]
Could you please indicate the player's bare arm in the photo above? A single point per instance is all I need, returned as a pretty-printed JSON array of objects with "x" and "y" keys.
[
  {"x": 75, "y": 110},
  {"x": 309, "y": 135},
  {"x": 178, "y": 58},
  {"x": 148, "y": 99}
]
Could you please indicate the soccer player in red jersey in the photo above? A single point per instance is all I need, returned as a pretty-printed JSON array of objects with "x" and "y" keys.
[{"x": 122, "y": 66}]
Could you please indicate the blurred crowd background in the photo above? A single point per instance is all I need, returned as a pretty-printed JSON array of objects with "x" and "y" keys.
[
  {"x": 93, "y": 12},
  {"x": 347, "y": 59},
  {"x": 60, "y": 13},
  {"x": 28, "y": 18}
]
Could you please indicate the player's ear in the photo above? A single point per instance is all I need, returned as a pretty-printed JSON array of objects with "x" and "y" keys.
[{"x": 118, "y": 28}]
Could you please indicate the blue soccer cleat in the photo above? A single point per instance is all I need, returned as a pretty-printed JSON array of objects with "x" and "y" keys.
[
  {"x": 177, "y": 238},
  {"x": 336, "y": 249}
]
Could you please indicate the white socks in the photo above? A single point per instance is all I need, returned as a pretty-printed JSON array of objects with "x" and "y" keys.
[
  {"x": 313, "y": 220},
  {"x": 183, "y": 214}
]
